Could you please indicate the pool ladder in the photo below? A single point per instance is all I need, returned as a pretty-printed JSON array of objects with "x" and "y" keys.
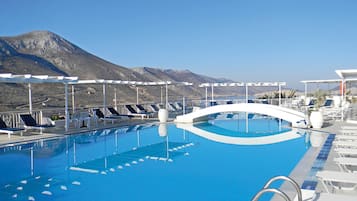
[{"x": 277, "y": 191}]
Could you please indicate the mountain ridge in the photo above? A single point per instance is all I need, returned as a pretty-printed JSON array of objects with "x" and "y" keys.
[{"x": 44, "y": 52}]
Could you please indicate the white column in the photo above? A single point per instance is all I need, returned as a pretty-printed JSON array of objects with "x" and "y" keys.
[
  {"x": 246, "y": 114},
  {"x": 167, "y": 97},
  {"x": 115, "y": 98},
  {"x": 206, "y": 97},
  {"x": 104, "y": 100},
  {"x": 279, "y": 94},
  {"x": 30, "y": 98},
  {"x": 305, "y": 101},
  {"x": 73, "y": 106},
  {"x": 161, "y": 96},
  {"x": 183, "y": 105},
  {"x": 137, "y": 95},
  {"x": 246, "y": 93},
  {"x": 66, "y": 107},
  {"x": 343, "y": 94},
  {"x": 212, "y": 94}
]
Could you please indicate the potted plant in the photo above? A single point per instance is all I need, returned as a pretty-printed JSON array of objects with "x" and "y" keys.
[{"x": 316, "y": 116}]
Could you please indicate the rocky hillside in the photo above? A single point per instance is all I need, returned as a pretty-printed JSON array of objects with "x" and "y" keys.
[{"x": 45, "y": 53}]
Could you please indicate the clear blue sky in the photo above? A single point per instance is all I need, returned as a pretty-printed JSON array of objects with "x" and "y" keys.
[{"x": 241, "y": 40}]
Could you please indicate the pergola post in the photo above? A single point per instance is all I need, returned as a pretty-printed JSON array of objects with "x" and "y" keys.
[
  {"x": 30, "y": 98},
  {"x": 305, "y": 93},
  {"x": 212, "y": 93},
  {"x": 73, "y": 106},
  {"x": 306, "y": 109},
  {"x": 115, "y": 98},
  {"x": 183, "y": 105},
  {"x": 246, "y": 93},
  {"x": 137, "y": 95},
  {"x": 343, "y": 94},
  {"x": 161, "y": 97},
  {"x": 206, "y": 97},
  {"x": 104, "y": 100},
  {"x": 279, "y": 94},
  {"x": 167, "y": 97},
  {"x": 66, "y": 107}
]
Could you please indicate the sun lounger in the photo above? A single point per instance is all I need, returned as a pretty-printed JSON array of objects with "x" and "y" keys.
[
  {"x": 265, "y": 102},
  {"x": 348, "y": 132},
  {"x": 331, "y": 178},
  {"x": 142, "y": 110},
  {"x": 99, "y": 114},
  {"x": 345, "y": 144},
  {"x": 173, "y": 107},
  {"x": 117, "y": 114},
  {"x": 346, "y": 152},
  {"x": 5, "y": 129},
  {"x": 343, "y": 162},
  {"x": 349, "y": 128},
  {"x": 346, "y": 137},
  {"x": 154, "y": 108},
  {"x": 328, "y": 103},
  {"x": 30, "y": 122},
  {"x": 311, "y": 103},
  {"x": 213, "y": 103},
  {"x": 311, "y": 195},
  {"x": 334, "y": 197},
  {"x": 179, "y": 105},
  {"x": 132, "y": 111}
]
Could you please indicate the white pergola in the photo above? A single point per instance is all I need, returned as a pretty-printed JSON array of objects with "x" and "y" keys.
[
  {"x": 347, "y": 75},
  {"x": 242, "y": 84},
  {"x": 306, "y": 82},
  {"x": 40, "y": 79},
  {"x": 129, "y": 83}
]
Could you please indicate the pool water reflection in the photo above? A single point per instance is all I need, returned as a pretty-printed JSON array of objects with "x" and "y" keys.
[{"x": 147, "y": 162}]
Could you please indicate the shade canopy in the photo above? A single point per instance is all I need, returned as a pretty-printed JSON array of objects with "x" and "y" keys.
[
  {"x": 347, "y": 74},
  {"x": 321, "y": 81},
  {"x": 28, "y": 78},
  {"x": 242, "y": 84},
  {"x": 126, "y": 82},
  {"x": 231, "y": 84}
]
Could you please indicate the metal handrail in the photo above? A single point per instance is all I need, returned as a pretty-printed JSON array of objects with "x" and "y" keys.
[
  {"x": 271, "y": 190},
  {"x": 285, "y": 178}
]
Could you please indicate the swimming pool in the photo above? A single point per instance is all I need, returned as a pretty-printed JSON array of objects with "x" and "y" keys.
[{"x": 147, "y": 162}]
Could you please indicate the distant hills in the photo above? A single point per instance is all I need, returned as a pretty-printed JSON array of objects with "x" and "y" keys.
[{"x": 45, "y": 53}]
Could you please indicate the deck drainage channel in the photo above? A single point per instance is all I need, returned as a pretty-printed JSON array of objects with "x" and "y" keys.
[{"x": 310, "y": 182}]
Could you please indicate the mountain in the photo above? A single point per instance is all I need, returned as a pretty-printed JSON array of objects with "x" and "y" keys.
[
  {"x": 45, "y": 53},
  {"x": 63, "y": 57},
  {"x": 177, "y": 75}
]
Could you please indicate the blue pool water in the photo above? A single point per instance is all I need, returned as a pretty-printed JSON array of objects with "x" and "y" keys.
[
  {"x": 144, "y": 164},
  {"x": 240, "y": 128}
]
